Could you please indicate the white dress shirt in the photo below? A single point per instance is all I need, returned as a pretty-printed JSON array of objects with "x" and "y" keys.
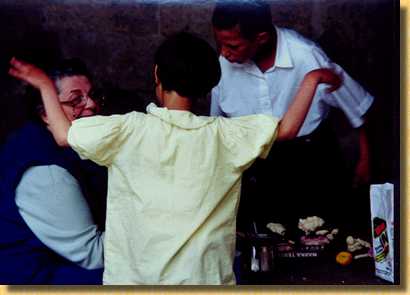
[
  {"x": 51, "y": 203},
  {"x": 245, "y": 90}
]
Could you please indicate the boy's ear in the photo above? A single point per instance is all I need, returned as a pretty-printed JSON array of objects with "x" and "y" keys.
[
  {"x": 155, "y": 75},
  {"x": 262, "y": 38}
]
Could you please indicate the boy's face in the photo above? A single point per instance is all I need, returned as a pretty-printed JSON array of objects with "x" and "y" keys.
[{"x": 233, "y": 46}]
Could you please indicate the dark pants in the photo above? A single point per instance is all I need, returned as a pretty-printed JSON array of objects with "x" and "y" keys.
[{"x": 300, "y": 178}]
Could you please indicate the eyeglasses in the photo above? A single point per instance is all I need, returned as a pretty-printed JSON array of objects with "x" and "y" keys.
[{"x": 79, "y": 101}]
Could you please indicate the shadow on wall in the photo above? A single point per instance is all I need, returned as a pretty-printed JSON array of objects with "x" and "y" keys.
[{"x": 38, "y": 47}]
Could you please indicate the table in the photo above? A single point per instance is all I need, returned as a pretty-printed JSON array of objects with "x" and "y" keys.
[
  {"x": 320, "y": 270},
  {"x": 316, "y": 272}
]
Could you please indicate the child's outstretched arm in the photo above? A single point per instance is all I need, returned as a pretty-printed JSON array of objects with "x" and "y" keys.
[
  {"x": 293, "y": 119},
  {"x": 57, "y": 120}
]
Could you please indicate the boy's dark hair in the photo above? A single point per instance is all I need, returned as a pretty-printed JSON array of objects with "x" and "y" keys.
[
  {"x": 188, "y": 65},
  {"x": 63, "y": 68},
  {"x": 252, "y": 16}
]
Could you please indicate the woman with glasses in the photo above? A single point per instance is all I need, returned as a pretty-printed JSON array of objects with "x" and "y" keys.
[{"x": 52, "y": 203}]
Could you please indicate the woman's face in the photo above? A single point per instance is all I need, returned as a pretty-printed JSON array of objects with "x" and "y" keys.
[{"x": 74, "y": 95}]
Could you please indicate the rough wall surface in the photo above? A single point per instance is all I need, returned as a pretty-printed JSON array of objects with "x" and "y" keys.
[{"x": 117, "y": 39}]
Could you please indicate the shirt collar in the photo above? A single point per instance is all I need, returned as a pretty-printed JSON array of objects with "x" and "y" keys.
[
  {"x": 181, "y": 119},
  {"x": 283, "y": 58}
]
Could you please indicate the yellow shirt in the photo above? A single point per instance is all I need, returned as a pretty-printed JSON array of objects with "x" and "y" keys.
[{"x": 173, "y": 191}]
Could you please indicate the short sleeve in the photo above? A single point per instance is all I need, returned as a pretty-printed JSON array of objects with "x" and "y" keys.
[
  {"x": 249, "y": 137},
  {"x": 351, "y": 97},
  {"x": 215, "y": 106},
  {"x": 99, "y": 138}
]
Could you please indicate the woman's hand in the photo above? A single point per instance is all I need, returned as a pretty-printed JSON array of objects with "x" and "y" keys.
[
  {"x": 29, "y": 73},
  {"x": 57, "y": 120},
  {"x": 326, "y": 76}
]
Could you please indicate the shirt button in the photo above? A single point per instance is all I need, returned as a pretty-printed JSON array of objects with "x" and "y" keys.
[{"x": 266, "y": 104}]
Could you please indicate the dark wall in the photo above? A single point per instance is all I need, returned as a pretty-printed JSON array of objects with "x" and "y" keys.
[{"x": 117, "y": 39}]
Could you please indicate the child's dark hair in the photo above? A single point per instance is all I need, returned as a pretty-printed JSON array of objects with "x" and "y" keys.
[
  {"x": 252, "y": 16},
  {"x": 64, "y": 68},
  {"x": 188, "y": 65}
]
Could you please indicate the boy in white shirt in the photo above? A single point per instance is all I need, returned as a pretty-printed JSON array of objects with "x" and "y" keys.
[{"x": 262, "y": 66}]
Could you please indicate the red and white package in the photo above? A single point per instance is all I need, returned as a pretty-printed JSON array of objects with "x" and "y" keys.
[{"x": 382, "y": 214}]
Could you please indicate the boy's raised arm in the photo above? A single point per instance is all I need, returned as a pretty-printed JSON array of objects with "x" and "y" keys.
[
  {"x": 58, "y": 123},
  {"x": 293, "y": 119}
]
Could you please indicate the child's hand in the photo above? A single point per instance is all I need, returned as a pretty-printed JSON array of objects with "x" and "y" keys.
[
  {"x": 29, "y": 73},
  {"x": 326, "y": 76}
]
